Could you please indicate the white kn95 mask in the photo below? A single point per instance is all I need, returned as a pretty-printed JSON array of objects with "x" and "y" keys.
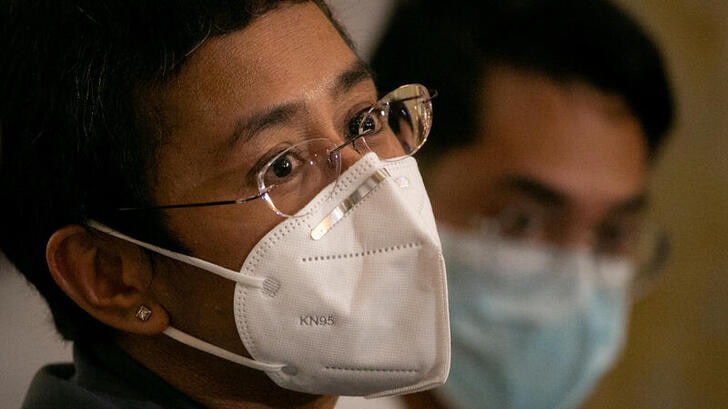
[{"x": 350, "y": 298}]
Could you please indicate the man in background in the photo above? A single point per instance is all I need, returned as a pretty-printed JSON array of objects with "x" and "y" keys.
[{"x": 550, "y": 116}]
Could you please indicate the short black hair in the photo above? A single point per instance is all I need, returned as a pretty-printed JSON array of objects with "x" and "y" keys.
[
  {"x": 77, "y": 138},
  {"x": 450, "y": 46}
]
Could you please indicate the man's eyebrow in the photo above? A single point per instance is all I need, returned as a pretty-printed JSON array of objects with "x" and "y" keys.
[
  {"x": 634, "y": 204},
  {"x": 248, "y": 127},
  {"x": 546, "y": 195},
  {"x": 538, "y": 191}
]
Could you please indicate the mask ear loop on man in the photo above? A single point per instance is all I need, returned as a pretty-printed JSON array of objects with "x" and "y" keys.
[{"x": 264, "y": 284}]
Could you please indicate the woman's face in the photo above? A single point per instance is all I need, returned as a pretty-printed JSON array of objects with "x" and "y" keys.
[{"x": 240, "y": 97}]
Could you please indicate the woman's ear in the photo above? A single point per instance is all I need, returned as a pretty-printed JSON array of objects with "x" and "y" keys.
[{"x": 108, "y": 277}]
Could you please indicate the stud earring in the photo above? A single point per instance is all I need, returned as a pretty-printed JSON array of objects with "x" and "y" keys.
[{"x": 143, "y": 313}]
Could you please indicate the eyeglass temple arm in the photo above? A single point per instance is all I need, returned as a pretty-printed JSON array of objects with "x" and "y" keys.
[{"x": 198, "y": 204}]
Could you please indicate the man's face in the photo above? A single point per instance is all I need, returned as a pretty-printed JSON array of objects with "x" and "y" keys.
[
  {"x": 240, "y": 98},
  {"x": 562, "y": 163}
]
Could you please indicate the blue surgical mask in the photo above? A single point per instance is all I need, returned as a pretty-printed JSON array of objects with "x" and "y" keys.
[{"x": 533, "y": 326}]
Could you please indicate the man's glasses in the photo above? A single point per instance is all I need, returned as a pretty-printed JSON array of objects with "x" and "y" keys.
[
  {"x": 644, "y": 244},
  {"x": 394, "y": 127}
]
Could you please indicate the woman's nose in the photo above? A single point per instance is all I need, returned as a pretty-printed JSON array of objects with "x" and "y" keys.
[
  {"x": 351, "y": 151},
  {"x": 349, "y": 157}
]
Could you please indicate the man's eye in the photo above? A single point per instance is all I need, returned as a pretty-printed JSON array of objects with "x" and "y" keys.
[
  {"x": 520, "y": 225},
  {"x": 616, "y": 239}
]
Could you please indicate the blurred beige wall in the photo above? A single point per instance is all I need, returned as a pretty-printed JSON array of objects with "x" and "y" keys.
[{"x": 677, "y": 352}]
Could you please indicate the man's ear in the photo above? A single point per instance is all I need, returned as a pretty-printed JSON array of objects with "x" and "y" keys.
[{"x": 107, "y": 277}]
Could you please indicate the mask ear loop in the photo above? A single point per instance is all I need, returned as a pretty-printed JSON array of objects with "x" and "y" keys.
[
  {"x": 267, "y": 285},
  {"x": 254, "y": 282},
  {"x": 201, "y": 345}
]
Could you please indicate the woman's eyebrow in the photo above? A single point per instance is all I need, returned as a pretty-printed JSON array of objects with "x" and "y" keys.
[
  {"x": 248, "y": 127},
  {"x": 356, "y": 74},
  {"x": 281, "y": 113}
]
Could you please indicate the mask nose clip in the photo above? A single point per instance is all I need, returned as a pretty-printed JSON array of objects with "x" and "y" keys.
[{"x": 348, "y": 203}]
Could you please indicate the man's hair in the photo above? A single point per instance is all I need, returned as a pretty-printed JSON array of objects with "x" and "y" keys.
[
  {"x": 78, "y": 135},
  {"x": 451, "y": 48}
]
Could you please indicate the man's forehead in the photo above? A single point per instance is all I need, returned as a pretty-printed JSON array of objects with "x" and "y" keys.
[{"x": 555, "y": 196}]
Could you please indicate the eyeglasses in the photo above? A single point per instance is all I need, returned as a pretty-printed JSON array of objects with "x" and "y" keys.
[
  {"x": 396, "y": 126},
  {"x": 643, "y": 243}
]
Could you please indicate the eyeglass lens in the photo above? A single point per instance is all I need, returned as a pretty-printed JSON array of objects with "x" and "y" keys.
[
  {"x": 643, "y": 243},
  {"x": 396, "y": 126},
  {"x": 296, "y": 175}
]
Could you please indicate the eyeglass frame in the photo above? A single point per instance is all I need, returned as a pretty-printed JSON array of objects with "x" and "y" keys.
[
  {"x": 648, "y": 271},
  {"x": 333, "y": 153}
]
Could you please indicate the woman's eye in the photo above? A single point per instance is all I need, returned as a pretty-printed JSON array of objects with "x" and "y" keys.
[
  {"x": 282, "y": 167},
  {"x": 366, "y": 122}
]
